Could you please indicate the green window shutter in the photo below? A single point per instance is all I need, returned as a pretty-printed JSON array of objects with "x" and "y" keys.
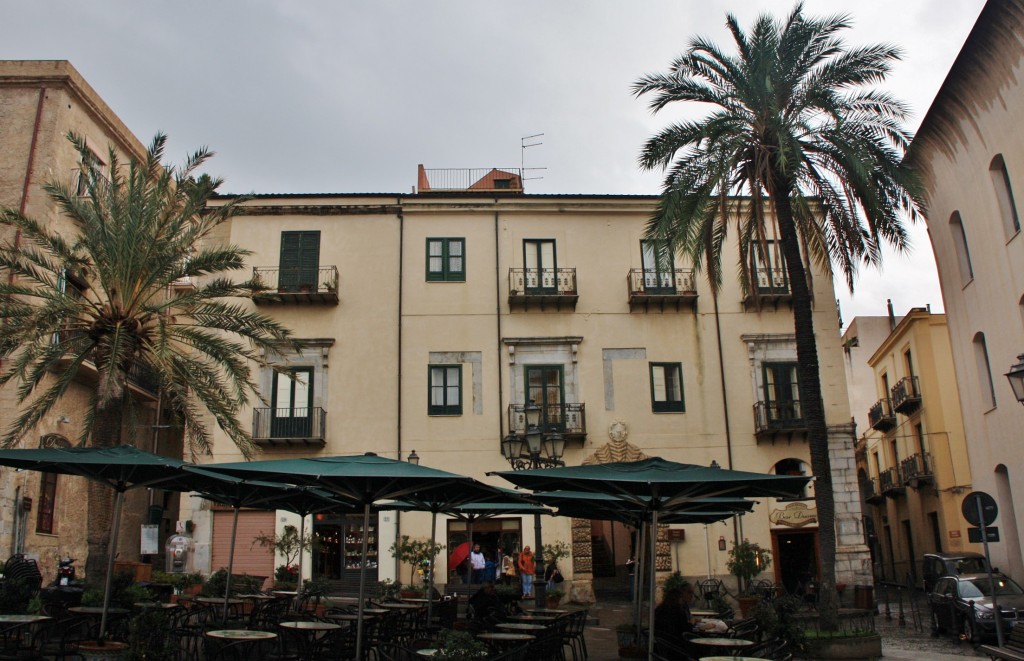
[
  {"x": 300, "y": 260},
  {"x": 667, "y": 388},
  {"x": 456, "y": 260},
  {"x": 446, "y": 260},
  {"x": 435, "y": 260}
]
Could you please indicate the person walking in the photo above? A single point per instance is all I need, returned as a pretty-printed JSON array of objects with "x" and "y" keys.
[
  {"x": 527, "y": 566},
  {"x": 508, "y": 569},
  {"x": 477, "y": 564}
]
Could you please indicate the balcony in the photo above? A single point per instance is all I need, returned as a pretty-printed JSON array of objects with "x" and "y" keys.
[
  {"x": 871, "y": 491},
  {"x": 542, "y": 288},
  {"x": 297, "y": 286},
  {"x": 889, "y": 482},
  {"x": 139, "y": 378},
  {"x": 653, "y": 289},
  {"x": 466, "y": 180},
  {"x": 880, "y": 415},
  {"x": 917, "y": 470},
  {"x": 779, "y": 420},
  {"x": 906, "y": 395},
  {"x": 770, "y": 285},
  {"x": 289, "y": 427},
  {"x": 570, "y": 420}
]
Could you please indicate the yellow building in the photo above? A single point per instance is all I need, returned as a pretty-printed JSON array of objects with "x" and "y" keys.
[{"x": 914, "y": 464}]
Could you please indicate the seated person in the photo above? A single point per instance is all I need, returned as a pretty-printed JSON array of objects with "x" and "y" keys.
[
  {"x": 485, "y": 602},
  {"x": 671, "y": 618}
]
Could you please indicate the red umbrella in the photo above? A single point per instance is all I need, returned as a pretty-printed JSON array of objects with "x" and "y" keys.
[{"x": 457, "y": 556}]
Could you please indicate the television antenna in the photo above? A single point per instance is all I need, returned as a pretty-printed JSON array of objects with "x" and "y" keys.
[{"x": 524, "y": 144}]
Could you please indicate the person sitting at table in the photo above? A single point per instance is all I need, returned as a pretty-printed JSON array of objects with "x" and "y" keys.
[
  {"x": 672, "y": 624},
  {"x": 485, "y": 602}
]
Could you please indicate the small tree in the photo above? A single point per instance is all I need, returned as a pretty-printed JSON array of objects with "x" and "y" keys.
[
  {"x": 747, "y": 560},
  {"x": 415, "y": 552},
  {"x": 286, "y": 544},
  {"x": 552, "y": 553}
]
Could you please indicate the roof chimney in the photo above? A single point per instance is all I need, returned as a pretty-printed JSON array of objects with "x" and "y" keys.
[{"x": 892, "y": 317}]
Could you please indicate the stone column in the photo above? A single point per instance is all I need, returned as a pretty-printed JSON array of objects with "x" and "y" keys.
[{"x": 853, "y": 560}]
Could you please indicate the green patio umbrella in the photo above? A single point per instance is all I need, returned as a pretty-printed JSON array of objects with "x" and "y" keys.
[
  {"x": 657, "y": 485},
  {"x": 360, "y": 479},
  {"x": 121, "y": 468}
]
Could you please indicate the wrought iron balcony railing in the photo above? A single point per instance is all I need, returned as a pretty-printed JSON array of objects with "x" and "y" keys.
[
  {"x": 139, "y": 376},
  {"x": 655, "y": 287},
  {"x": 906, "y": 395},
  {"x": 917, "y": 469},
  {"x": 870, "y": 490},
  {"x": 567, "y": 419},
  {"x": 880, "y": 415},
  {"x": 889, "y": 482},
  {"x": 771, "y": 281},
  {"x": 298, "y": 285},
  {"x": 470, "y": 179},
  {"x": 776, "y": 417},
  {"x": 542, "y": 287},
  {"x": 299, "y": 426}
]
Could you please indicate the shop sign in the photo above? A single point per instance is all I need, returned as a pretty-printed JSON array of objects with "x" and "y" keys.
[{"x": 794, "y": 515}]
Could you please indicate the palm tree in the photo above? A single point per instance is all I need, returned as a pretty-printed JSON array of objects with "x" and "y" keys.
[
  {"x": 102, "y": 297},
  {"x": 793, "y": 127}
]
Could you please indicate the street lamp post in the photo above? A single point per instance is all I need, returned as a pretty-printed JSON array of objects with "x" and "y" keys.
[{"x": 535, "y": 449}]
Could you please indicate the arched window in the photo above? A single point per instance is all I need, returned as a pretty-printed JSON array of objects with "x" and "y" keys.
[
  {"x": 988, "y": 388},
  {"x": 963, "y": 255},
  {"x": 1004, "y": 195},
  {"x": 793, "y": 467}
]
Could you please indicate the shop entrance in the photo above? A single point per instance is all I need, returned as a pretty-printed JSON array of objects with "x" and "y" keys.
[
  {"x": 493, "y": 535},
  {"x": 796, "y": 558}
]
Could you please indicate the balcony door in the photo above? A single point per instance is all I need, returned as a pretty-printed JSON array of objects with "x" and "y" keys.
[
  {"x": 292, "y": 405},
  {"x": 781, "y": 393},
  {"x": 541, "y": 270},
  {"x": 659, "y": 269},
  {"x": 769, "y": 275},
  {"x": 300, "y": 261},
  {"x": 545, "y": 388}
]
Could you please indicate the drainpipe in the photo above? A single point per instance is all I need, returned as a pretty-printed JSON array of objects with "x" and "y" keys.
[
  {"x": 398, "y": 402},
  {"x": 497, "y": 316},
  {"x": 737, "y": 521},
  {"x": 31, "y": 157}
]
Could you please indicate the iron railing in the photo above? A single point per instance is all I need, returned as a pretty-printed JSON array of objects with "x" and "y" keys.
[
  {"x": 906, "y": 395},
  {"x": 570, "y": 419},
  {"x": 778, "y": 416},
  {"x": 880, "y": 415},
  {"x": 297, "y": 280},
  {"x": 470, "y": 179},
  {"x": 889, "y": 481},
  {"x": 542, "y": 282},
  {"x": 917, "y": 467},
  {"x": 771, "y": 281},
  {"x": 655, "y": 282},
  {"x": 138, "y": 376},
  {"x": 870, "y": 490},
  {"x": 297, "y": 424}
]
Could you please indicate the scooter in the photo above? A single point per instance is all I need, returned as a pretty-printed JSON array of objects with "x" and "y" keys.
[{"x": 65, "y": 572}]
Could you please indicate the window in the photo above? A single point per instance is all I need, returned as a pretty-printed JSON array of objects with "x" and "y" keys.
[
  {"x": 292, "y": 406},
  {"x": 300, "y": 261},
  {"x": 984, "y": 371},
  {"x": 667, "y": 388},
  {"x": 445, "y": 390},
  {"x": 541, "y": 266},
  {"x": 963, "y": 254},
  {"x": 659, "y": 270},
  {"x": 781, "y": 392},
  {"x": 1004, "y": 195},
  {"x": 769, "y": 269},
  {"x": 446, "y": 260},
  {"x": 47, "y": 498}
]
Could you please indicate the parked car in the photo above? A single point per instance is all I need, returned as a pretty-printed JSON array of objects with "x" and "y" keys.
[
  {"x": 962, "y": 605},
  {"x": 936, "y": 565}
]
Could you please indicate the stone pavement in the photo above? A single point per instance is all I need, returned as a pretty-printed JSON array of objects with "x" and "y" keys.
[{"x": 910, "y": 641}]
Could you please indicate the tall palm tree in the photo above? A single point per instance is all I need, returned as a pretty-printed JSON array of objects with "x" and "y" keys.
[
  {"x": 792, "y": 127},
  {"x": 102, "y": 296}
]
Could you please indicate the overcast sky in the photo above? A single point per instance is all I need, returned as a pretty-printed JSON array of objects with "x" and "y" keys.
[{"x": 329, "y": 96}]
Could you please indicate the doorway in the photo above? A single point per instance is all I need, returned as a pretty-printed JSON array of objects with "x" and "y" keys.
[{"x": 797, "y": 558}]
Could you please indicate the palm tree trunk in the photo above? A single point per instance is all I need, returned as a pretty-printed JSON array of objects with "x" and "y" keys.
[
  {"x": 811, "y": 406},
  {"x": 106, "y": 433}
]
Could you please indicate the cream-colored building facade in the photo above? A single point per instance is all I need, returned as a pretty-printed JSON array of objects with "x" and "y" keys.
[
  {"x": 912, "y": 453},
  {"x": 50, "y": 517},
  {"x": 431, "y": 320},
  {"x": 970, "y": 150}
]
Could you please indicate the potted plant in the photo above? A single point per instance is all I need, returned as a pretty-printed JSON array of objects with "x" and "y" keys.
[
  {"x": 625, "y": 635},
  {"x": 416, "y": 553},
  {"x": 554, "y": 597},
  {"x": 747, "y": 560},
  {"x": 460, "y": 646}
]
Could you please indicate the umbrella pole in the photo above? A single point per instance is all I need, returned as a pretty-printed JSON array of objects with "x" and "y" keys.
[
  {"x": 231, "y": 561},
  {"x": 641, "y": 567},
  {"x": 111, "y": 552},
  {"x": 362, "y": 581},
  {"x": 707, "y": 547},
  {"x": 302, "y": 536},
  {"x": 430, "y": 579},
  {"x": 650, "y": 606}
]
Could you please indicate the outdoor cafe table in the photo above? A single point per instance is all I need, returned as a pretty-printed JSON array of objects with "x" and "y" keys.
[
  {"x": 505, "y": 639},
  {"x": 241, "y": 634},
  {"x": 533, "y": 619},
  {"x": 520, "y": 626},
  {"x": 698, "y": 612},
  {"x": 721, "y": 645},
  {"x": 308, "y": 634},
  {"x": 731, "y": 658},
  {"x": 400, "y": 606},
  {"x": 545, "y": 611},
  {"x": 427, "y": 651},
  {"x": 14, "y": 630}
]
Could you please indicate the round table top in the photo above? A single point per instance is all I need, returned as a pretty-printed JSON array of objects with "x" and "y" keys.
[
  {"x": 23, "y": 619},
  {"x": 254, "y": 597},
  {"x": 219, "y": 600},
  {"x": 154, "y": 604},
  {"x": 730, "y": 658},
  {"x": 345, "y": 617},
  {"x": 699, "y": 612},
  {"x": 241, "y": 634},
  {"x": 418, "y": 600},
  {"x": 286, "y": 593},
  {"x": 722, "y": 642},
  {"x": 532, "y": 618},
  {"x": 392, "y": 604},
  {"x": 375, "y": 611},
  {"x": 505, "y": 636},
  {"x": 521, "y": 626},
  {"x": 310, "y": 626},
  {"x": 548, "y": 611},
  {"x": 96, "y": 610},
  {"x": 426, "y": 651}
]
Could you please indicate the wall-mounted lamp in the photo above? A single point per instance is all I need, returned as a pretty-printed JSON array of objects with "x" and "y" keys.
[
  {"x": 413, "y": 458},
  {"x": 1016, "y": 378},
  {"x": 721, "y": 542},
  {"x": 63, "y": 419}
]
